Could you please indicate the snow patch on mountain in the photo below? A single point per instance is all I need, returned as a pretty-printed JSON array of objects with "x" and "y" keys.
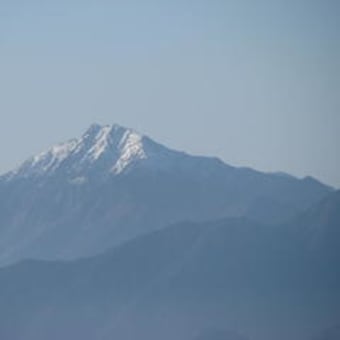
[
  {"x": 100, "y": 144},
  {"x": 47, "y": 161},
  {"x": 131, "y": 149}
]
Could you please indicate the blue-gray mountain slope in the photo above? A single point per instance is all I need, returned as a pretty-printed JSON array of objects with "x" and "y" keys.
[
  {"x": 112, "y": 184},
  {"x": 233, "y": 276}
]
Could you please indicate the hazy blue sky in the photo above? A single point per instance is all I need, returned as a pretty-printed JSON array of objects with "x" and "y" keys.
[{"x": 256, "y": 83}]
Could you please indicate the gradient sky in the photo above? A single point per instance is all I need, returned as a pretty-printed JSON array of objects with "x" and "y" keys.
[{"x": 256, "y": 83}]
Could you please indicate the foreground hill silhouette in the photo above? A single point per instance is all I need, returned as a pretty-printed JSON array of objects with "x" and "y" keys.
[{"x": 266, "y": 282}]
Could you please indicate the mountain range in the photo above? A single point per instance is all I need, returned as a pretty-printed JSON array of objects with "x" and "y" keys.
[
  {"x": 84, "y": 196},
  {"x": 209, "y": 280},
  {"x": 114, "y": 236}
]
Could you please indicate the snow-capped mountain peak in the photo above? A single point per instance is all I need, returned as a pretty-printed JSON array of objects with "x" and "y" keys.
[
  {"x": 109, "y": 148},
  {"x": 115, "y": 139},
  {"x": 101, "y": 141}
]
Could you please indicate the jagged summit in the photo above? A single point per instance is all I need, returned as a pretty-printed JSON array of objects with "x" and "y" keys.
[
  {"x": 114, "y": 139},
  {"x": 109, "y": 148}
]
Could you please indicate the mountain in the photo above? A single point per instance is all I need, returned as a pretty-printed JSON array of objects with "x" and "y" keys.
[
  {"x": 321, "y": 222},
  {"x": 208, "y": 280},
  {"x": 219, "y": 335},
  {"x": 111, "y": 184},
  {"x": 101, "y": 151},
  {"x": 333, "y": 333}
]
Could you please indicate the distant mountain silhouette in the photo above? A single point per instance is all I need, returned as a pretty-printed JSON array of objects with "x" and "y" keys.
[
  {"x": 268, "y": 282},
  {"x": 219, "y": 335},
  {"x": 112, "y": 184},
  {"x": 332, "y": 333}
]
